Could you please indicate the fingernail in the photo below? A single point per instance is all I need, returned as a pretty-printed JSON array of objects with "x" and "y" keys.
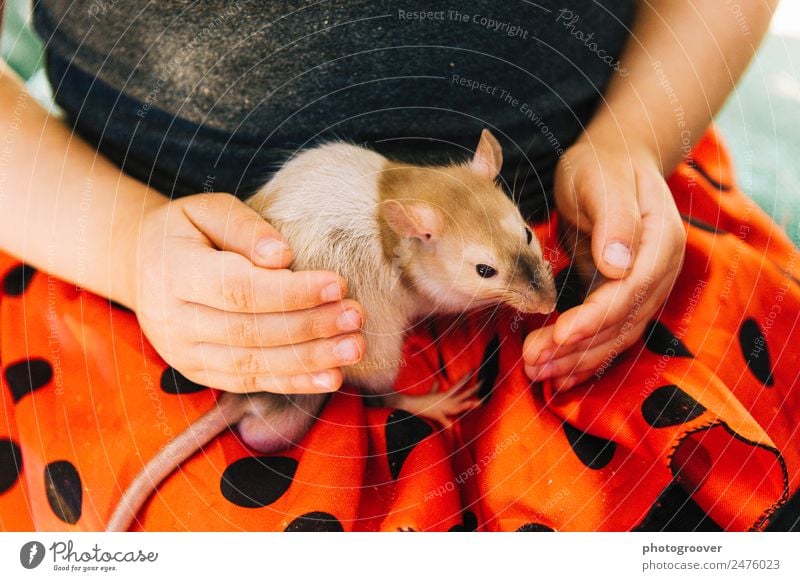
[
  {"x": 346, "y": 350},
  {"x": 322, "y": 380},
  {"x": 270, "y": 248},
  {"x": 617, "y": 255},
  {"x": 332, "y": 292},
  {"x": 350, "y": 320}
]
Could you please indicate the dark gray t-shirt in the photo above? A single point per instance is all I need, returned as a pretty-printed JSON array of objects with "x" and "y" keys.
[{"x": 180, "y": 92}]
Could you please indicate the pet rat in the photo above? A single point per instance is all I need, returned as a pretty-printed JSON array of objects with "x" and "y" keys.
[{"x": 411, "y": 241}]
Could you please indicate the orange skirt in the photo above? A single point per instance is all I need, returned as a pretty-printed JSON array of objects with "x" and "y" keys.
[{"x": 693, "y": 428}]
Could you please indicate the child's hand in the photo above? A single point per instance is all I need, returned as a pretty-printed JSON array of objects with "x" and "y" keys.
[
  {"x": 216, "y": 300},
  {"x": 620, "y": 218}
]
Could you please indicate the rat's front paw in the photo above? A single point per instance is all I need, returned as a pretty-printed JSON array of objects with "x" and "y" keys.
[{"x": 441, "y": 407}]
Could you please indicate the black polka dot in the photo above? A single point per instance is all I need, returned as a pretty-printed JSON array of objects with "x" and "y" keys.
[
  {"x": 755, "y": 352},
  {"x": 10, "y": 463},
  {"x": 697, "y": 223},
  {"x": 676, "y": 511},
  {"x": 27, "y": 376},
  {"x": 535, "y": 527},
  {"x": 119, "y": 307},
  {"x": 787, "y": 518},
  {"x": 459, "y": 528},
  {"x": 669, "y": 405},
  {"x": 315, "y": 522},
  {"x": 469, "y": 525},
  {"x": 470, "y": 521},
  {"x": 594, "y": 452},
  {"x": 489, "y": 369},
  {"x": 570, "y": 289},
  {"x": 17, "y": 280},
  {"x": 254, "y": 482},
  {"x": 175, "y": 383},
  {"x": 64, "y": 490},
  {"x": 660, "y": 340},
  {"x": 403, "y": 432}
]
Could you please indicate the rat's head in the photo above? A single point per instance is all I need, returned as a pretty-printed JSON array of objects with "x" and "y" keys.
[{"x": 458, "y": 239}]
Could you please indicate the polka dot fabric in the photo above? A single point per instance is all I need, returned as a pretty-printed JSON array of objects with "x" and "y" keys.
[{"x": 693, "y": 428}]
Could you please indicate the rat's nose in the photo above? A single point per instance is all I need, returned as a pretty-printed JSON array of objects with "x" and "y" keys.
[
  {"x": 548, "y": 307},
  {"x": 542, "y": 290},
  {"x": 535, "y": 281},
  {"x": 541, "y": 304},
  {"x": 541, "y": 299}
]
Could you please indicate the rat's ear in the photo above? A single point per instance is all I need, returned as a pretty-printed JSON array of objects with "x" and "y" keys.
[
  {"x": 488, "y": 158},
  {"x": 412, "y": 219}
]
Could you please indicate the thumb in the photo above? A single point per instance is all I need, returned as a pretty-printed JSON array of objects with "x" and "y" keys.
[
  {"x": 616, "y": 220},
  {"x": 233, "y": 226}
]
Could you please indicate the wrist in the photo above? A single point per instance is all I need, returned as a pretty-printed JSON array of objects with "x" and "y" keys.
[
  {"x": 127, "y": 232},
  {"x": 640, "y": 136},
  {"x": 612, "y": 137}
]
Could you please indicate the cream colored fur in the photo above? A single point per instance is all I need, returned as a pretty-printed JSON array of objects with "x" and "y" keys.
[{"x": 340, "y": 183}]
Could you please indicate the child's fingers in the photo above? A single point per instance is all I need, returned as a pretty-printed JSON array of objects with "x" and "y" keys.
[
  {"x": 578, "y": 362},
  {"x": 210, "y": 325},
  {"x": 299, "y": 359},
  {"x": 607, "y": 335},
  {"x": 229, "y": 224},
  {"x": 597, "y": 193},
  {"x": 611, "y": 304},
  {"x": 229, "y": 282},
  {"x": 610, "y": 200},
  {"x": 568, "y": 382},
  {"x": 319, "y": 382},
  {"x": 539, "y": 345},
  {"x": 654, "y": 271},
  {"x": 590, "y": 359}
]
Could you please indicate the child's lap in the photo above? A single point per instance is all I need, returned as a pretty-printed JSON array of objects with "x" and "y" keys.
[{"x": 702, "y": 413}]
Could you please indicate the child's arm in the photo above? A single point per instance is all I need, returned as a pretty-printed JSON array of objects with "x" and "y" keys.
[
  {"x": 214, "y": 305},
  {"x": 682, "y": 61}
]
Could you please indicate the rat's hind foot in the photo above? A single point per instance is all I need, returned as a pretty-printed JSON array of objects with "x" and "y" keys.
[{"x": 442, "y": 407}]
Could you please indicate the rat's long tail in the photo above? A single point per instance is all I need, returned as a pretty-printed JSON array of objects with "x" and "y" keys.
[
  {"x": 228, "y": 412},
  {"x": 267, "y": 422}
]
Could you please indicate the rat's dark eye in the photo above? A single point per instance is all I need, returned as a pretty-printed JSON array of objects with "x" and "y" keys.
[
  {"x": 485, "y": 270},
  {"x": 529, "y": 234}
]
